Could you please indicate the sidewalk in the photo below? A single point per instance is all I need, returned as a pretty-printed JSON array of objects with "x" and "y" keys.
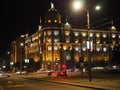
[
  {"x": 98, "y": 84},
  {"x": 95, "y": 83}
]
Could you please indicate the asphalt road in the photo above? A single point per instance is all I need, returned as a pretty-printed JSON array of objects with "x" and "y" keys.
[
  {"x": 17, "y": 83},
  {"x": 41, "y": 82}
]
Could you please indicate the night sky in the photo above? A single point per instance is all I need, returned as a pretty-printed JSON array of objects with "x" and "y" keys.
[{"x": 23, "y": 16}]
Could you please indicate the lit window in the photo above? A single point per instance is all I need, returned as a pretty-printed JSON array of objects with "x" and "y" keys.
[
  {"x": 49, "y": 33},
  {"x": 104, "y": 49},
  {"x": 49, "y": 39},
  {"x": 104, "y": 35},
  {"x": 83, "y": 34},
  {"x": 67, "y": 33},
  {"x": 67, "y": 39},
  {"x": 44, "y": 33},
  {"x": 64, "y": 47},
  {"x": 97, "y": 35},
  {"x": 49, "y": 21},
  {"x": 98, "y": 41},
  {"x": 55, "y": 21},
  {"x": 91, "y": 34},
  {"x": 84, "y": 41},
  {"x": 39, "y": 34},
  {"x": 56, "y": 33},
  {"x": 56, "y": 39},
  {"x": 49, "y": 48},
  {"x": 104, "y": 42},
  {"x": 113, "y": 35},
  {"x": 76, "y": 48},
  {"x": 59, "y": 21},
  {"x": 76, "y": 40},
  {"x": 76, "y": 33},
  {"x": 84, "y": 48},
  {"x": 113, "y": 41},
  {"x": 55, "y": 47},
  {"x": 98, "y": 49},
  {"x": 119, "y": 35}
]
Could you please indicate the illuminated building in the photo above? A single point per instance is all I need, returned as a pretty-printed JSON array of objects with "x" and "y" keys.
[
  {"x": 18, "y": 50},
  {"x": 56, "y": 43}
]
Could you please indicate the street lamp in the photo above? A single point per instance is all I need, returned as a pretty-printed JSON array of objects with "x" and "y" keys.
[
  {"x": 21, "y": 52},
  {"x": 9, "y": 60},
  {"x": 11, "y": 65},
  {"x": 77, "y": 5}
]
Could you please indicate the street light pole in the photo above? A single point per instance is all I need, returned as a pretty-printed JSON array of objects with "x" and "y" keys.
[
  {"x": 89, "y": 58},
  {"x": 21, "y": 52},
  {"x": 77, "y": 5}
]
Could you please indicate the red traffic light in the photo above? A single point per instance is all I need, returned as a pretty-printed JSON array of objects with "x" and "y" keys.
[{"x": 63, "y": 66}]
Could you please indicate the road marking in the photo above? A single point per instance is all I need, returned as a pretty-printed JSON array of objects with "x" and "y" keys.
[
  {"x": 9, "y": 82},
  {"x": 15, "y": 86}
]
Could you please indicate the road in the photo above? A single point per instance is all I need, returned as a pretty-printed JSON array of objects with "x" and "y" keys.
[
  {"x": 29, "y": 84},
  {"x": 43, "y": 82}
]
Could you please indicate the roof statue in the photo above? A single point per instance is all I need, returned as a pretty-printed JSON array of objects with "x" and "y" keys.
[{"x": 52, "y": 6}]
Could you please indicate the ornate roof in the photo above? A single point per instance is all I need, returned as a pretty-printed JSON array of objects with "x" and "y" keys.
[{"x": 52, "y": 16}]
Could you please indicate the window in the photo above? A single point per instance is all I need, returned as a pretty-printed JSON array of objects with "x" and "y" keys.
[{"x": 49, "y": 21}]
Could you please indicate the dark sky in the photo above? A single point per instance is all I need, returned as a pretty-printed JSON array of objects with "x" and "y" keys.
[{"x": 22, "y": 16}]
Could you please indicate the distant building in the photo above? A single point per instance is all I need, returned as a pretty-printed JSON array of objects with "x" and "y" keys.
[{"x": 18, "y": 49}]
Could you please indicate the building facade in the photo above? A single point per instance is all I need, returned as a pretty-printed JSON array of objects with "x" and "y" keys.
[{"x": 56, "y": 43}]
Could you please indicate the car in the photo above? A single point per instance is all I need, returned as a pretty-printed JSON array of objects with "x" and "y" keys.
[
  {"x": 21, "y": 72},
  {"x": 97, "y": 68},
  {"x": 42, "y": 71},
  {"x": 116, "y": 67},
  {"x": 75, "y": 73}
]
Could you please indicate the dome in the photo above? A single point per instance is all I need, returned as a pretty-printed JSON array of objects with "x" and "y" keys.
[{"x": 52, "y": 17}]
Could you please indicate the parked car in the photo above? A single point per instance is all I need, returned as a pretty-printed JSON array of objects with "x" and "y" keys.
[
  {"x": 116, "y": 67},
  {"x": 106, "y": 69},
  {"x": 75, "y": 73},
  {"x": 42, "y": 71},
  {"x": 21, "y": 72}
]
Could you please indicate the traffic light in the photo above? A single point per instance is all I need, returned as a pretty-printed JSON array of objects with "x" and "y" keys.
[{"x": 63, "y": 66}]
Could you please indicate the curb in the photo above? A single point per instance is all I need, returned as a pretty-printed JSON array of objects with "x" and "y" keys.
[{"x": 73, "y": 84}]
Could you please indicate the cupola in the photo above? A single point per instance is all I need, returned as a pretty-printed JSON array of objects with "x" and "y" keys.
[{"x": 52, "y": 17}]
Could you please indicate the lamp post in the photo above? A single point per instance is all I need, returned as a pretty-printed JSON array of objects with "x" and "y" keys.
[
  {"x": 21, "y": 52},
  {"x": 11, "y": 66},
  {"x": 88, "y": 47},
  {"x": 9, "y": 60},
  {"x": 77, "y": 5}
]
